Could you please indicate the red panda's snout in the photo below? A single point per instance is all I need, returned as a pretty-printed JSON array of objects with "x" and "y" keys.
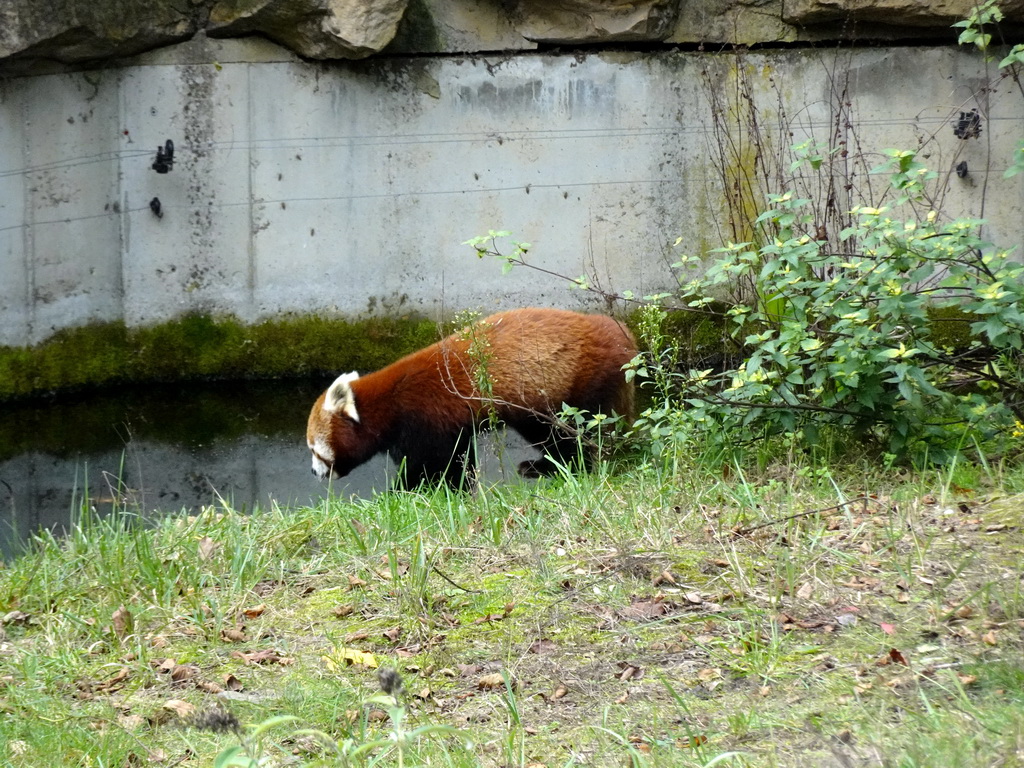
[{"x": 322, "y": 466}]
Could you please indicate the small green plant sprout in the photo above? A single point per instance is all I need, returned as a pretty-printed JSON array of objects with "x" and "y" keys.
[
  {"x": 486, "y": 246},
  {"x": 812, "y": 153},
  {"x": 391, "y": 749},
  {"x": 249, "y": 753},
  {"x": 479, "y": 351},
  {"x": 978, "y": 23}
]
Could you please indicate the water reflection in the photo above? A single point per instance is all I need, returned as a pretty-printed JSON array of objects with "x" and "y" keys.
[{"x": 168, "y": 448}]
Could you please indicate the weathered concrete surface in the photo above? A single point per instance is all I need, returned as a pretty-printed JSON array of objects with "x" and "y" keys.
[
  {"x": 318, "y": 29},
  {"x": 348, "y": 189}
]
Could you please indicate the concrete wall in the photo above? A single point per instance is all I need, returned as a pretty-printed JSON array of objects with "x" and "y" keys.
[{"x": 347, "y": 188}]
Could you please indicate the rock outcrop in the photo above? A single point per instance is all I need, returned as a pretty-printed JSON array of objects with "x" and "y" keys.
[
  {"x": 596, "y": 21},
  {"x": 317, "y": 29},
  {"x": 71, "y": 31},
  {"x": 907, "y": 13},
  {"x": 76, "y": 31}
]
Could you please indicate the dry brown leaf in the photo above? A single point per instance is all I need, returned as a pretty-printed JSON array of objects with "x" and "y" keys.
[
  {"x": 180, "y": 708},
  {"x": 182, "y": 672},
  {"x": 207, "y": 548},
  {"x": 15, "y": 617},
  {"x": 490, "y": 617},
  {"x": 560, "y": 692},
  {"x": 392, "y": 634},
  {"x": 542, "y": 646},
  {"x": 897, "y": 657},
  {"x": 233, "y": 635},
  {"x": 131, "y": 722},
  {"x": 209, "y": 687},
  {"x": 256, "y": 610},
  {"x": 262, "y": 657},
  {"x": 989, "y": 638},
  {"x": 114, "y": 683},
  {"x": 805, "y": 591},
  {"x": 692, "y": 742},
  {"x": 665, "y": 577},
  {"x": 231, "y": 682},
  {"x": 166, "y": 665},
  {"x": 354, "y": 582},
  {"x": 629, "y": 671},
  {"x": 489, "y": 682},
  {"x": 341, "y": 611},
  {"x": 641, "y": 610},
  {"x": 121, "y": 622},
  {"x": 693, "y": 598}
]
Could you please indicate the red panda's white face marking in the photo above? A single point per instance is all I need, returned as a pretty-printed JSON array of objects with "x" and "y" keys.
[
  {"x": 339, "y": 401},
  {"x": 323, "y": 458}
]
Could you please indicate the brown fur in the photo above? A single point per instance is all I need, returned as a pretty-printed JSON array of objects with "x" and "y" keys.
[{"x": 425, "y": 407}]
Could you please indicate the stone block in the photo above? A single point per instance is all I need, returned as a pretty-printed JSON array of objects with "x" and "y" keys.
[{"x": 317, "y": 29}]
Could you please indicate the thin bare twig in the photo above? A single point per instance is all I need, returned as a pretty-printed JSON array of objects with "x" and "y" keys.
[
  {"x": 806, "y": 513},
  {"x": 441, "y": 573}
]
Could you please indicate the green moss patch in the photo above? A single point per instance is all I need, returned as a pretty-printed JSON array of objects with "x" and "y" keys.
[{"x": 201, "y": 346}]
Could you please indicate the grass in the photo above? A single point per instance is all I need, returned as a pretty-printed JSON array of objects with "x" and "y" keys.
[{"x": 659, "y": 615}]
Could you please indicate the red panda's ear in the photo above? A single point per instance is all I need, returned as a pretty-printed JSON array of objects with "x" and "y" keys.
[{"x": 340, "y": 398}]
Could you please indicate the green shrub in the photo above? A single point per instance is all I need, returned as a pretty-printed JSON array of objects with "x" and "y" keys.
[{"x": 862, "y": 337}]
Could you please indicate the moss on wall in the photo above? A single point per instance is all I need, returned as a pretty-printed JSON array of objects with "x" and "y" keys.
[
  {"x": 703, "y": 338},
  {"x": 200, "y": 346},
  {"x": 951, "y": 328}
]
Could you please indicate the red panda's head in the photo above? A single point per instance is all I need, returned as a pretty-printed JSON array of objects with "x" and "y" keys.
[{"x": 331, "y": 430}]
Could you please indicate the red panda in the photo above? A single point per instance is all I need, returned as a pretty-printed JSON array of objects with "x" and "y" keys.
[{"x": 520, "y": 366}]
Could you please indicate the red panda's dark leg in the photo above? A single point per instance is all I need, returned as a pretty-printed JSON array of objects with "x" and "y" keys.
[
  {"x": 552, "y": 442},
  {"x": 434, "y": 458}
]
